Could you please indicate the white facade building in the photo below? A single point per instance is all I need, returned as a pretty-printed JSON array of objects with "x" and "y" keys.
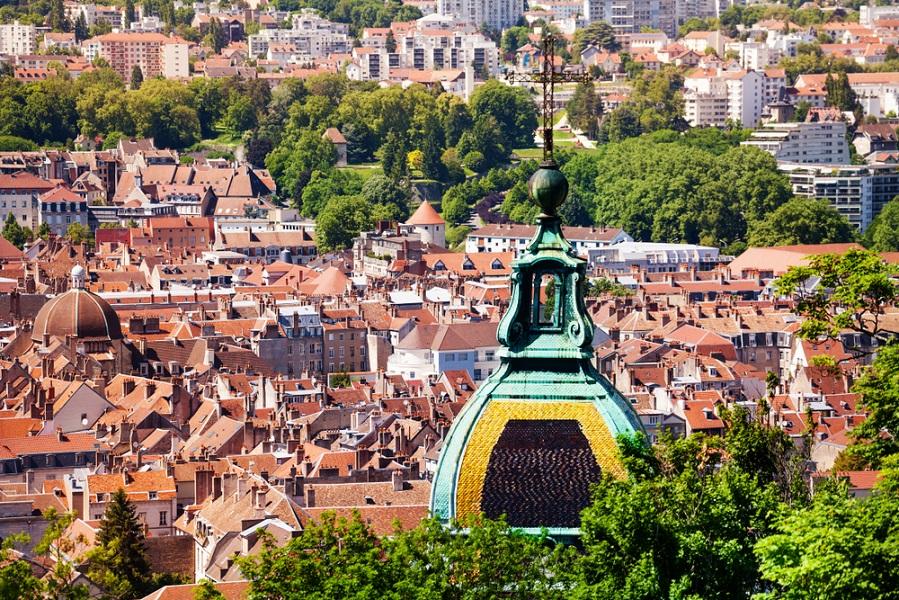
[
  {"x": 312, "y": 36},
  {"x": 513, "y": 238},
  {"x": 737, "y": 96},
  {"x": 16, "y": 39},
  {"x": 808, "y": 143},
  {"x": 858, "y": 192},
  {"x": 497, "y": 14},
  {"x": 653, "y": 257}
]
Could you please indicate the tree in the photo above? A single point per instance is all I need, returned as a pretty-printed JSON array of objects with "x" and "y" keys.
[
  {"x": 79, "y": 234},
  {"x": 512, "y": 108},
  {"x": 80, "y": 28},
  {"x": 382, "y": 190},
  {"x": 514, "y": 38},
  {"x": 680, "y": 525},
  {"x": 432, "y": 166},
  {"x": 883, "y": 233},
  {"x": 130, "y": 15},
  {"x": 585, "y": 109},
  {"x": 324, "y": 185},
  {"x": 13, "y": 232},
  {"x": 57, "y": 17},
  {"x": 891, "y": 53},
  {"x": 206, "y": 590},
  {"x": 839, "y": 93},
  {"x": 118, "y": 562},
  {"x": 217, "y": 38},
  {"x": 43, "y": 231},
  {"x": 295, "y": 158},
  {"x": 839, "y": 547},
  {"x": 340, "y": 221},
  {"x": 16, "y": 579},
  {"x": 393, "y": 156},
  {"x": 484, "y": 138},
  {"x": 12, "y": 143},
  {"x": 599, "y": 34},
  {"x": 802, "y": 221},
  {"x": 390, "y": 42},
  {"x": 240, "y": 116},
  {"x": 137, "y": 77}
]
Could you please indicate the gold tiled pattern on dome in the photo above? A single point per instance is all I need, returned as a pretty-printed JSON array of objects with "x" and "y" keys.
[{"x": 492, "y": 422}]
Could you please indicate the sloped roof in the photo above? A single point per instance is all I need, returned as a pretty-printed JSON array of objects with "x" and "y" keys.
[{"x": 425, "y": 215}]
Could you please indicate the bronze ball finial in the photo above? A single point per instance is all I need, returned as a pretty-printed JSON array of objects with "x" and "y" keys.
[{"x": 549, "y": 187}]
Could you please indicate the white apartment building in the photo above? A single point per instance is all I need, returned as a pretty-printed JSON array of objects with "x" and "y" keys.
[
  {"x": 867, "y": 15},
  {"x": 311, "y": 35},
  {"x": 858, "y": 192},
  {"x": 514, "y": 238},
  {"x": 16, "y": 39},
  {"x": 806, "y": 143},
  {"x": 98, "y": 14},
  {"x": 745, "y": 97},
  {"x": 712, "y": 100},
  {"x": 497, "y": 14},
  {"x": 425, "y": 47},
  {"x": 653, "y": 257},
  {"x": 629, "y": 16},
  {"x": 754, "y": 56},
  {"x": 705, "y": 101}
]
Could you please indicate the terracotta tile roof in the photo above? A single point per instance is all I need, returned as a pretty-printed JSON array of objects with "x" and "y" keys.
[{"x": 137, "y": 485}]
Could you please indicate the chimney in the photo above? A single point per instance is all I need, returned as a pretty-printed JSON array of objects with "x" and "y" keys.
[
  {"x": 203, "y": 484},
  {"x": 397, "y": 478},
  {"x": 242, "y": 486},
  {"x": 229, "y": 484},
  {"x": 310, "y": 496},
  {"x": 259, "y": 498},
  {"x": 216, "y": 487}
]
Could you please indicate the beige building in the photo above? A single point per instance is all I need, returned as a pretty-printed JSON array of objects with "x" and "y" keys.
[
  {"x": 16, "y": 39},
  {"x": 152, "y": 493},
  {"x": 156, "y": 54}
]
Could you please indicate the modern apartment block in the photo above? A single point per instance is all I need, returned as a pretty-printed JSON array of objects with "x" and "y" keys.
[
  {"x": 16, "y": 39},
  {"x": 156, "y": 54},
  {"x": 807, "y": 143},
  {"x": 434, "y": 45},
  {"x": 713, "y": 100},
  {"x": 858, "y": 192},
  {"x": 497, "y": 14},
  {"x": 310, "y": 35}
]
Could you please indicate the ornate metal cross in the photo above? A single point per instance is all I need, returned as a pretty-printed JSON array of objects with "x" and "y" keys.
[{"x": 548, "y": 76}]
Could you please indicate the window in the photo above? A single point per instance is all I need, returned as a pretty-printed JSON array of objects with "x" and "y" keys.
[
  {"x": 153, "y": 495},
  {"x": 163, "y": 517},
  {"x": 330, "y": 352}
]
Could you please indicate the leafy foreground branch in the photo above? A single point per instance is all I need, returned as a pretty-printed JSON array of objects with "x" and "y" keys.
[{"x": 696, "y": 518}]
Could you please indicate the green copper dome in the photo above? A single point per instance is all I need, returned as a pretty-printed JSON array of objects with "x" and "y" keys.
[{"x": 541, "y": 429}]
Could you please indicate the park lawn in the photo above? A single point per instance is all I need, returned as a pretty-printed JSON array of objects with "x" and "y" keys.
[
  {"x": 365, "y": 170},
  {"x": 526, "y": 153}
]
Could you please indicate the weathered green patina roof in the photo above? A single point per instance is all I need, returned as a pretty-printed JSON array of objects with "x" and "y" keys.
[{"x": 546, "y": 381}]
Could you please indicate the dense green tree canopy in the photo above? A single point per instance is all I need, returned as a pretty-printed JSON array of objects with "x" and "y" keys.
[
  {"x": 513, "y": 109},
  {"x": 883, "y": 233},
  {"x": 802, "y": 221}
]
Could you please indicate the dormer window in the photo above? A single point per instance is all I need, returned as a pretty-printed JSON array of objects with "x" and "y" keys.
[
  {"x": 439, "y": 266},
  {"x": 496, "y": 264},
  {"x": 153, "y": 495}
]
